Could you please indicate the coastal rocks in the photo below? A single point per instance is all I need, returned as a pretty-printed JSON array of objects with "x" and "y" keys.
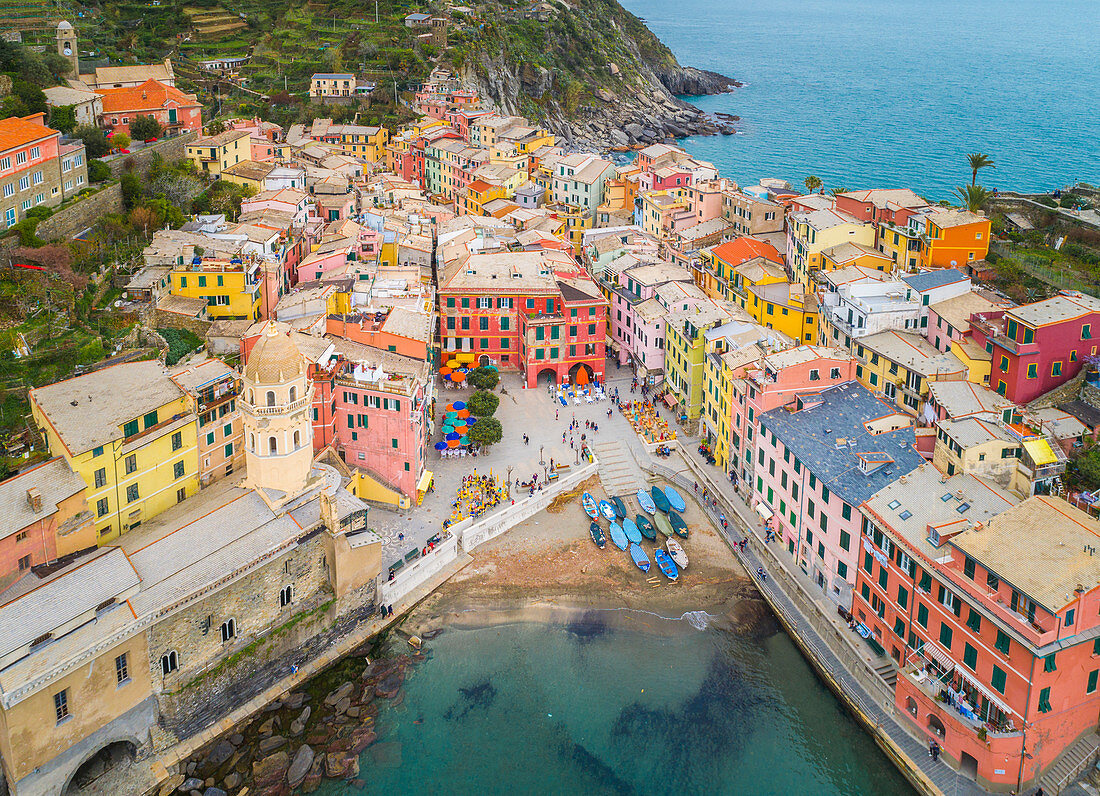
[
  {"x": 270, "y": 770},
  {"x": 212, "y": 791},
  {"x": 300, "y": 766},
  {"x": 222, "y": 751},
  {"x": 231, "y": 781},
  {"x": 634, "y": 130},
  {"x": 294, "y": 701},
  {"x": 341, "y": 765},
  {"x": 340, "y": 693},
  {"x": 271, "y": 744},
  {"x": 190, "y": 784},
  {"x": 689, "y": 81},
  {"x": 389, "y": 686}
]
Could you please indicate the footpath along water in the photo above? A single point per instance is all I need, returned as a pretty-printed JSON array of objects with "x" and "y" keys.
[
  {"x": 605, "y": 706},
  {"x": 867, "y": 94}
]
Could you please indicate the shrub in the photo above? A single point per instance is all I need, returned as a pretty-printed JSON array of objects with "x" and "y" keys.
[
  {"x": 95, "y": 140},
  {"x": 120, "y": 140},
  {"x": 483, "y": 404},
  {"x": 181, "y": 342},
  {"x": 483, "y": 378},
  {"x": 98, "y": 171},
  {"x": 145, "y": 127},
  {"x": 486, "y": 432}
]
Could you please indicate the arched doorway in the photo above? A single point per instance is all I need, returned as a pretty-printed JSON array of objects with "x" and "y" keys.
[
  {"x": 935, "y": 725},
  {"x": 484, "y": 360},
  {"x": 581, "y": 374},
  {"x": 547, "y": 376},
  {"x": 96, "y": 773}
]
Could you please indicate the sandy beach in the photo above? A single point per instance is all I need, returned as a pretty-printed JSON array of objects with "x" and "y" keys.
[{"x": 549, "y": 564}]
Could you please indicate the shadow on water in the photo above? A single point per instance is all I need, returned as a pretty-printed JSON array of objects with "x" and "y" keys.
[
  {"x": 592, "y": 766},
  {"x": 588, "y": 627},
  {"x": 479, "y": 696}
]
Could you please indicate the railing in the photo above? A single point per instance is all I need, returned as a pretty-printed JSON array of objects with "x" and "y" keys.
[{"x": 281, "y": 408}]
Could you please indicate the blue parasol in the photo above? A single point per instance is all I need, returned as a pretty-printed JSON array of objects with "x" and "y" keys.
[
  {"x": 441, "y": 446},
  {"x": 459, "y": 405},
  {"x": 471, "y": 420},
  {"x": 452, "y": 436}
]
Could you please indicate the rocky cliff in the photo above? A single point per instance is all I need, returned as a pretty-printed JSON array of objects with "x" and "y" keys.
[{"x": 590, "y": 71}]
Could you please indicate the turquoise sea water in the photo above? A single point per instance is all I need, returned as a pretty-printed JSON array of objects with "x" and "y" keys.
[
  {"x": 890, "y": 94},
  {"x": 592, "y": 708}
]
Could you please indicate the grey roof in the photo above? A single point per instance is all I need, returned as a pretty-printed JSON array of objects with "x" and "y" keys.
[
  {"x": 812, "y": 435},
  {"x": 933, "y": 279},
  {"x": 962, "y": 398},
  {"x": 53, "y": 479},
  {"x": 1085, "y": 412},
  {"x": 89, "y": 411}
]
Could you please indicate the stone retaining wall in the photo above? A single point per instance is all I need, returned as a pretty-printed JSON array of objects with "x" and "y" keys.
[
  {"x": 77, "y": 217},
  {"x": 170, "y": 149}
]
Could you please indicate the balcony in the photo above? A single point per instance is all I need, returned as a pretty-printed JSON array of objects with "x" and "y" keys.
[
  {"x": 961, "y": 712},
  {"x": 279, "y": 409}
]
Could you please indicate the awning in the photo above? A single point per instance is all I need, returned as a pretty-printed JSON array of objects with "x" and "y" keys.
[
  {"x": 425, "y": 481},
  {"x": 981, "y": 689},
  {"x": 938, "y": 657},
  {"x": 1040, "y": 452},
  {"x": 764, "y": 511},
  {"x": 670, "y": 400}
]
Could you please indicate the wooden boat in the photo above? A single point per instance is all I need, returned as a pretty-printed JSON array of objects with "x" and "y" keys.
[
  {"x": 588, "y": 503},
  {"x": 607, "y": 510},
  {"x": 675, "y": 500},
  {"x": 645, "y": 527},
  {"x": 679, "y": 527},
  {"x": 640, "y": 558},
  {"x": 662, "y": 523},
  {"x": 659, "y": 499},
  {"x": 677, "y": 553},
  {"x": 645, "y": 501},
  {"x": 617, "y": 536},
  {"x": 597, "y": 535},
  {"x": 631, "y": 531},
  {"x": 620, "y": 507},
  {"x": 665, "y": 564}
]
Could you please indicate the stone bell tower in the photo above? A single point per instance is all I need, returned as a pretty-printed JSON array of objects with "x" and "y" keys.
[
  {"x": 66, "y": 46},
  {"x": 277, "y": 401}
]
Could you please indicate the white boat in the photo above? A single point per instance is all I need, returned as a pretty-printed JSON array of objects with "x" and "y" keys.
[{"x": 677, "y": 553}]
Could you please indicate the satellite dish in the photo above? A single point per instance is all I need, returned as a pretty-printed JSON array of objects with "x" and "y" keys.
[{"x": 118, "y": 302}]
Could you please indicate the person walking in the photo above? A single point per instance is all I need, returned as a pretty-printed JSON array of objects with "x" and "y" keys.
[{"x": 934, "y": 751}]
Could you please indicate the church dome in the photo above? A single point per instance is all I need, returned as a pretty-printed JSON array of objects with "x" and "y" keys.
[
  {"x": 274, "y": 359},
  {"x": 64, "y": 25}
]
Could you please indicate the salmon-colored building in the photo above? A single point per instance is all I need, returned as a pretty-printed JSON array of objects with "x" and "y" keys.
[
  {"x": 990, "y": 610},
  {"x": 397, "y": 330},
  {"x": 176, "y": 111},
  {"x": 213, "y": 388}
]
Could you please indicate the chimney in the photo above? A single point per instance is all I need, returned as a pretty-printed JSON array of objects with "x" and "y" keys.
[{"x": 34, "y": 498}]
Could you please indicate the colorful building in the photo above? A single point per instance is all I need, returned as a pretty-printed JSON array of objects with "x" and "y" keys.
[
  {"x": 810, "y": 233},
  {"x": 213, "y": 388},
  {"x": 176, "y": 111},
  {"x": 717, "y": 276},
  {"x": 214, "y": 154},
  {"x": 35, "y": 168},
  {"x": 231, "y": 288}
]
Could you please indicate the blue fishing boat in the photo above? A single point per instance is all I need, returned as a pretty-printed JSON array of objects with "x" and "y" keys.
[
  {"x": 607, "y": 510},
  {"x": 665, "y": 564},
  {"x": 659, "y": 499},
  {"x": 640, "y": 558},
  {"x": 597, "y": 535},
  {"x": 679, "y": 527},
  {"x": 620, "y": 507},
  {"x": 617, "y": 536},
  {"x": 645, "y": 501},
  {"x": 675, "y": 500},
  {"x": 588, "y": 503},
  {"x": 631, "y": 531},
  {"x": 645, "y": 527}
]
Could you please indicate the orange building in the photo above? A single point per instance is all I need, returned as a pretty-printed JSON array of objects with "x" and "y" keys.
[
  {"x": 399, "y": 331},
  {"x": 953, "y": 238},
  {"x": 176, "y": 111}
]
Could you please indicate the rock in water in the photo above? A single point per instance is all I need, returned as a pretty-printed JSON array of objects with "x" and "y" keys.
[
  {"x": 299, "y": 767},
  {"x": 271, "y": 744},
  {"x": 270, "y": 770},
  {"x": 193, "y": 783},
  {"x": 341, "y": 692},
  {"x": 222, "y": 751}
]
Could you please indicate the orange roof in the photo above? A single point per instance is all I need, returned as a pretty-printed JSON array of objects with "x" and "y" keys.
[
  {"x": 479, "y": 185},
  {"x": 20, "y": 131},
  {"x": 739, "y": 250},
  {"x": 149, "y": 95}
]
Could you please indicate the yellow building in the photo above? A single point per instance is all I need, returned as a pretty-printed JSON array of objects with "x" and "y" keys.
[
  {"x": 844, "y": 254},
  {"x": 686, "y": 349},
  {"x": 658, "y": 209},
  {"x": 353, "y": 139},
  {"x": 214, "y": 154},
  {"x": 129, "y": 432},
  {"x": 810, "y": 233},
  {"x": 900, "y": 245},
  {"x": 901, "y": 365},
  {"x": 231, "y": 288},
  {"x": 787, "y": 308},
  {"x": 754, "y": 273},
  {"x": 478, "y": 194}
]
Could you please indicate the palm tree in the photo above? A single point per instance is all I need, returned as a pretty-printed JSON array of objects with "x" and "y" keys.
[
  {"x": 979, "y": 161},
  {"x": 813, "y": 183},
  {"x": 973, "y": 197}
]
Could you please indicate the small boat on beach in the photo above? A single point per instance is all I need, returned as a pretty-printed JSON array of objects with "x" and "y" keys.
[
  {"x": 677, "y": 553},
  {"x": 597, "y": 535},
  {"x": 607, "y": 510},
  {"x": 618, "y": 538},
  {"x": 640, "y": 558},
  {"x": 659, "y": 499},
  {"x": 675, "y": 500},
  {"x": 665, "y": 564},
  {"x": 679, "y": 527},
  {"x": 631, "y": 531},
  {"x": 662, "y": 523},
  {"x": 645, "y": 501},
  {"x": 620, "y": 507},
  {"x": 588, "y": 503},
  {"x": 645, "y": 527}
]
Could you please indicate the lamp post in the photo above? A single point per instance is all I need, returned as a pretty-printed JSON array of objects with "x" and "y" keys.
[{"x": 508, "y": 483}]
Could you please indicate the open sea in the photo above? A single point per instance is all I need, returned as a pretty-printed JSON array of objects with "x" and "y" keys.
[
  {"x": 886, "y": 93},
  {"x": 598, "y": 707}
]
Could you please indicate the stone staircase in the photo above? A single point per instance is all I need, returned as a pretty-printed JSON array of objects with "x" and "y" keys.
[
  {"x": 1070, "y": 764},
  {"x": 618, "y": 470},
  {"x": 886, "y": 669}
]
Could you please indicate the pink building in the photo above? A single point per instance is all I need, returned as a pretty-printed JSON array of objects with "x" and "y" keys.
[
  {"x": 638, "y": 315},
  {"x": 818, "y": 459}
]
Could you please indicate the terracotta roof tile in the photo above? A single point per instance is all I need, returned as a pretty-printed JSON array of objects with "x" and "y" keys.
[{"x": 150, "y": 94}]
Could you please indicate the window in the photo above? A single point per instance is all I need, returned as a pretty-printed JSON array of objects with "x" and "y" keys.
[
  {"x": 968, "y": 567},
  {"x": 845, "y": 540},
  {"x": 945, "y": 635},
  {"x": 846, "y": 511},
  {"x": 130, "y": 429},
  {"x": 286, "y": 594},
  {"x": 122, "y": 669},
  {"x": 997, "y": 679},
  {"x": 131, "y": 463},
  {"x": 24, "y": 563},
  {"x": 970, "y": 657},
  {"x": 922, "y": 615},
  {"x": 903, "y": 597},
  {"x": 131, "y": 493},
  {"x": 229, "y": 629},
  {"x": 1086, "y": 331},
  {"x": 177, "y": 470},
  {"x": 169, "y": 662},
  {"x": 974, "y": 621},
  {"x": 101, "y": 507},
  {"x": 1049, "y": 664},
  {"x": 1032, "y": 371},
  {"x": 1092, "y": 681},
  {"x": 1044, "y": 700},
  {"x": 101, "y": 477},
  {"x": 1002, "y": 644},
  {"x": 61, "y": 705},
  {"x": 1069, "y": 616}
]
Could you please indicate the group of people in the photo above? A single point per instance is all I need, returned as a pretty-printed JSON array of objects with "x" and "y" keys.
[
  {"x": 386, "y": 610},
  {"x": 476, "y": 495}
]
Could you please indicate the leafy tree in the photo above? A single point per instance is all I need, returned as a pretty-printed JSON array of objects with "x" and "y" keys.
[
  {"x": 11, "y": 105},
  {"x": 483, "y": 403},
  {"x": 483, "y": 378},
  {"x": 120, "y": 141},
  {"x": 142, "y": 128},
  {"x": 813, "y": 184},
  {"x": 179, "y": 189},
  {"x": 973, "y": 197},
  {"x": 979, "y": 161},
  {"x": 131, "y": 190},
  {"x": 33, "y": 97},
  {"x": 98, "y": 171},
  {"x": 486, "y": 432},
  {"x": 63, "y": 118},
  {"x": 95, "y": 140}
]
